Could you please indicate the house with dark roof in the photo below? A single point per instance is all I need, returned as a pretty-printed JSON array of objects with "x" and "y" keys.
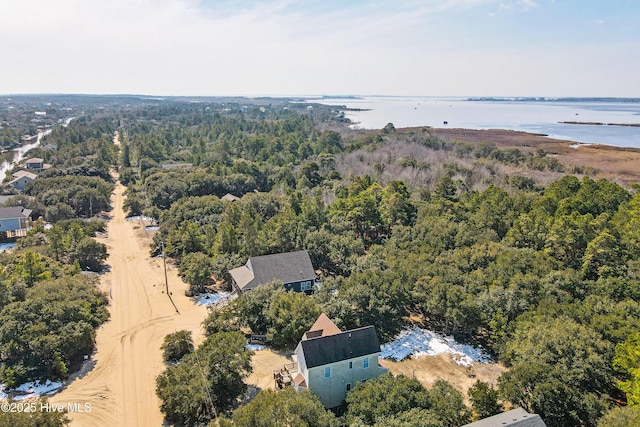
[
  {"x": 515, "y": 418},
  {"x": 294, "y": 269},
  {"x": 14, "y": 221},
  {"x": 331, "y": 362}
]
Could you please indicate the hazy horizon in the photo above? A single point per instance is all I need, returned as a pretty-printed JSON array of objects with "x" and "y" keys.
[{"x": 328, "y": 96}]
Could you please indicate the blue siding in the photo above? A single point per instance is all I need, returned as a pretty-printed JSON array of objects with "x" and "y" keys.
[
  {"x": 10, "y": 224},
  {"x": 297, "y": 286}
]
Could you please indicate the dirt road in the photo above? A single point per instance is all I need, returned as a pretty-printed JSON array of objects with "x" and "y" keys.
[{"x": 121, "y": 386}]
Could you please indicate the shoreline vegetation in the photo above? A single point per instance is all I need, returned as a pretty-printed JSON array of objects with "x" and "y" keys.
[
  {"x": 616, "y": 163},
  {"x": 635, "y": 125},
  {"x": 539, "y": 115}
]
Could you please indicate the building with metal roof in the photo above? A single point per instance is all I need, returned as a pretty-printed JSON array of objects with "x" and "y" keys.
[{"x": 515, "y": 418}]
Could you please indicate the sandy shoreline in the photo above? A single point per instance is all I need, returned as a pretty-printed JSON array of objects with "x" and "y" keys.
[{"x": 621, "y": 164}]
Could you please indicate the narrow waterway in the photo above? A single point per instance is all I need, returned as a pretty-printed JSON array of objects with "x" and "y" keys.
[{"x": 17, "y": 154}]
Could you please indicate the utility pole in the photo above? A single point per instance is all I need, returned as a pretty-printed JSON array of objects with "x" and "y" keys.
[
  {"x": 164, "y": 262},
  {"x": 166, "y": 279}
]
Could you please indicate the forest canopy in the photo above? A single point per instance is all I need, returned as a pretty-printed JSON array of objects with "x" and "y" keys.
[
  {"x": 504, "y": 247},
  {"x": 486, "y": 255}
]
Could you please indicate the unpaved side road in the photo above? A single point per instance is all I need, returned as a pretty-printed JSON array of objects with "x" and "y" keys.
[{"x": 120, "y": 387}]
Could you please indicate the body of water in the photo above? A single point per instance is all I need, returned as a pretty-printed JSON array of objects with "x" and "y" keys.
[
  {"x": 529, "y": 116},
  {"x": 18, "y": 153}
]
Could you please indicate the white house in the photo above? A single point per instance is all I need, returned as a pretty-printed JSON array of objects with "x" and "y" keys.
[
  {"x": 330, "y": 362},
  {"x": 21, "y": 179}
]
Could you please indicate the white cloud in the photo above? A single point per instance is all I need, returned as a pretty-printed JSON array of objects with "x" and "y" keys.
[
  {"x": 515, "y": 6},
  {"x": 171, "y": 47},
  {"x": 528, "y": 4}
]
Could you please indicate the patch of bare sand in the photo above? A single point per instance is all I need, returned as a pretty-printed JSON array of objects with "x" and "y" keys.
[
  {"x": 427, "y": 369},
  {"x": 121, "y": 385},
  {"x": 264, "y": 362}
]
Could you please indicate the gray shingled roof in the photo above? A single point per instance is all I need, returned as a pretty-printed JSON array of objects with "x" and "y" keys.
[
  {"x": 335, "y": 348},
  {"x": 288, "y": 267},
  {"x": 515, "y": 418},
  {"x": 14, "y": 212}
]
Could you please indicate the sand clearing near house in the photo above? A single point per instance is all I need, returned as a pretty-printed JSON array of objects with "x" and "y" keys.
[
  {"x": 264, "y": 362},
  {"x": 121, "y": 386},
  {"x": 427, "y": 369}
]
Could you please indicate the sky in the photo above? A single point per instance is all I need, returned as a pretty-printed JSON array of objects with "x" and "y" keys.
[{"x": 321, "y": 47}]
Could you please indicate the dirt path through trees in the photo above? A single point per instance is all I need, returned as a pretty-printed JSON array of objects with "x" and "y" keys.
[{"x": 121, "y": 386}]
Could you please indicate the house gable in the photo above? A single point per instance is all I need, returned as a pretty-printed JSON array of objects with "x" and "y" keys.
[
  {"x": 321, "y": 328},
  {"x": 21, "y": 179},
  {"x": 23, "y": 173},
  {"x": 331, "y": 362}
]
